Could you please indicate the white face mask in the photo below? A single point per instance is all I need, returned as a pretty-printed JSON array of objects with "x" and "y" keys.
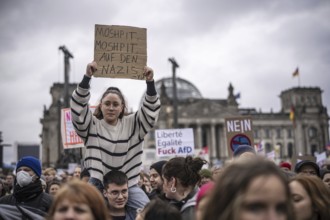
[{"x": 23, "y": 178}]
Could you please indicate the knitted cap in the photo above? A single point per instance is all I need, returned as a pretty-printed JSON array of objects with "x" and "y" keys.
[
  {"x": 205, "y": 173},
  {"x": 203, "y": 191},
  {"x": 242, "y": 149},
  {"x": 302, "y": 163},
  {"x": 158, "y": 166},
  {"x": 30, "y": 162},
  {"x": 285, "y": 164}
]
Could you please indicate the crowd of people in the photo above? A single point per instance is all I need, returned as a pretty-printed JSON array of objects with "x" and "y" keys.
[
  {"x": 110, "y": 184},
  {"x": 246, "y": 188}
]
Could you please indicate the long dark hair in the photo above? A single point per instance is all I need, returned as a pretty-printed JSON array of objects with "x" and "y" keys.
[
  {"x": 98, "y": 113},
  {"x": 318, "y": 192},
  {"x": 225, "y": 200},
  {"x": 185, "y": 169}
]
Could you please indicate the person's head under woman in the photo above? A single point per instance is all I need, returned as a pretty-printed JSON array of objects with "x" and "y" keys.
[
  {"x": 53, "y": 187},
  {"x": 49, "y": 174},
  {"x": 78, "y": 200},
  {"x": 77, "y": 172},
  {"x": 181, "y": 178},
  {"x": 325, "y": 176},
  {"x": 181, "y": 175},
  {"x": 250, "y": 189},
  {"x": 311, "y": 198},
  {"x": 112, "y": 106},
  {"x": 158, "y": 209}
]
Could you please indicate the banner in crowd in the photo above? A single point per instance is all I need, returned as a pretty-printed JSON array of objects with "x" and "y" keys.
[
  {"x": 260, "y": 147},
  {"x": 321, "y": 158},
  {"x": 174, "y": 142},
  {"x": 297, "y": 158},
  {"x": 239, "y": 131},
  {"x": 120, "y": 51},
  {"x": 70, "y": 138}
]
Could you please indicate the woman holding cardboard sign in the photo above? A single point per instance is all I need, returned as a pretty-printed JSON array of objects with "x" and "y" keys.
[{"x": 113, "y": 139}]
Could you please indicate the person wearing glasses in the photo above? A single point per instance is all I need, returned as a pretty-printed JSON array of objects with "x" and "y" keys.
[{"x": 116, "y": 193}]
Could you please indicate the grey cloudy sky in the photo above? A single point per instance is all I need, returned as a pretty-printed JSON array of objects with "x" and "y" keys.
[{"x": 255, "y": 45}]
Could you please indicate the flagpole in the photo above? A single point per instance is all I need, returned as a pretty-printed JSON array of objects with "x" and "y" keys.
[{"x": 297, "y": 74}]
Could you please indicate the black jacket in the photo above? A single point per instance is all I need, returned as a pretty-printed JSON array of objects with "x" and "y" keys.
[
  {"x": 11, "y": 212},
  {"x": 29, "y": 196}
]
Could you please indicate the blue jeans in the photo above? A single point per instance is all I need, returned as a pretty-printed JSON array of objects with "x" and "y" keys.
[{"x": 137, "y": 198}]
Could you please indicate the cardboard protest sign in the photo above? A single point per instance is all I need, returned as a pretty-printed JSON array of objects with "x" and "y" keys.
[
  {"x": 175, "y": 142},
  {"x": 120, "y": 51},
  {"x": 297, "y": 158},
  {"x": 239, "y": 131},
  {"x": 70, "y": 138}
]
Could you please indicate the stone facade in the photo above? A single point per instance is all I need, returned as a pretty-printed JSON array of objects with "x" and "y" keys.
[
  {"x": 306, "y": 134},
  {"x": 52, "y": 148}
]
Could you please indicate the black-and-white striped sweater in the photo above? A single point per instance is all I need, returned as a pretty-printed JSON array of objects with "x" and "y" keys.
[{"x": 110, "y": 147}]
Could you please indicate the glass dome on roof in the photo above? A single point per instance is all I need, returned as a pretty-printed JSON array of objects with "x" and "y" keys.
[{"x": 185, "y": 89}]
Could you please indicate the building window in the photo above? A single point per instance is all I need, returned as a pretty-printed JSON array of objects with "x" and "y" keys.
[
  {"x": 278, "y": 133},
  {"x": 279, "y": 150},
  {"x": 302, "y": 99},
  {"x": 289, "y": 133},
  {"x": 313, "y": 149},
  {"x": 312, "y": 132},
  {"x": 314, "y": 100},
  {"x": 256, "y": 133},
  {"x": 268, "y": 147},
  {"x": 290, "y": 150},
  {"x": 204, "y": 136},
  {"x": 267, "y": 133}
]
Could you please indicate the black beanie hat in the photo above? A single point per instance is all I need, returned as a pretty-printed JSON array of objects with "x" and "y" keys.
[
  {"x": 302, "y": 163},
  {"x": 158, "y": 166}
]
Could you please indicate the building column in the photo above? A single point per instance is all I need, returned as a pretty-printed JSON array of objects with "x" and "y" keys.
[
  {"x": 307, "y": 144},
  {"x": 199, "y": 135},
  {"x": 285, "y": 143},
  {"x": 212, "y": 142},
  {"x": 273, "y": 138},
  {"x": 298, "y": 139},
  {"x": 223, "y": 143}
]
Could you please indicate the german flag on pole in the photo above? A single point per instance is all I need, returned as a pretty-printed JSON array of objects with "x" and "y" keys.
[
  {"x": 292, "y": 116},
  {"x": 295, "y": 73}
]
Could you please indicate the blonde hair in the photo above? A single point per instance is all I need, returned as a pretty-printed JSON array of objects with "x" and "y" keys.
[
  {"x": 77, "y": 191},
  {"x": 50, "y": 171}
]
